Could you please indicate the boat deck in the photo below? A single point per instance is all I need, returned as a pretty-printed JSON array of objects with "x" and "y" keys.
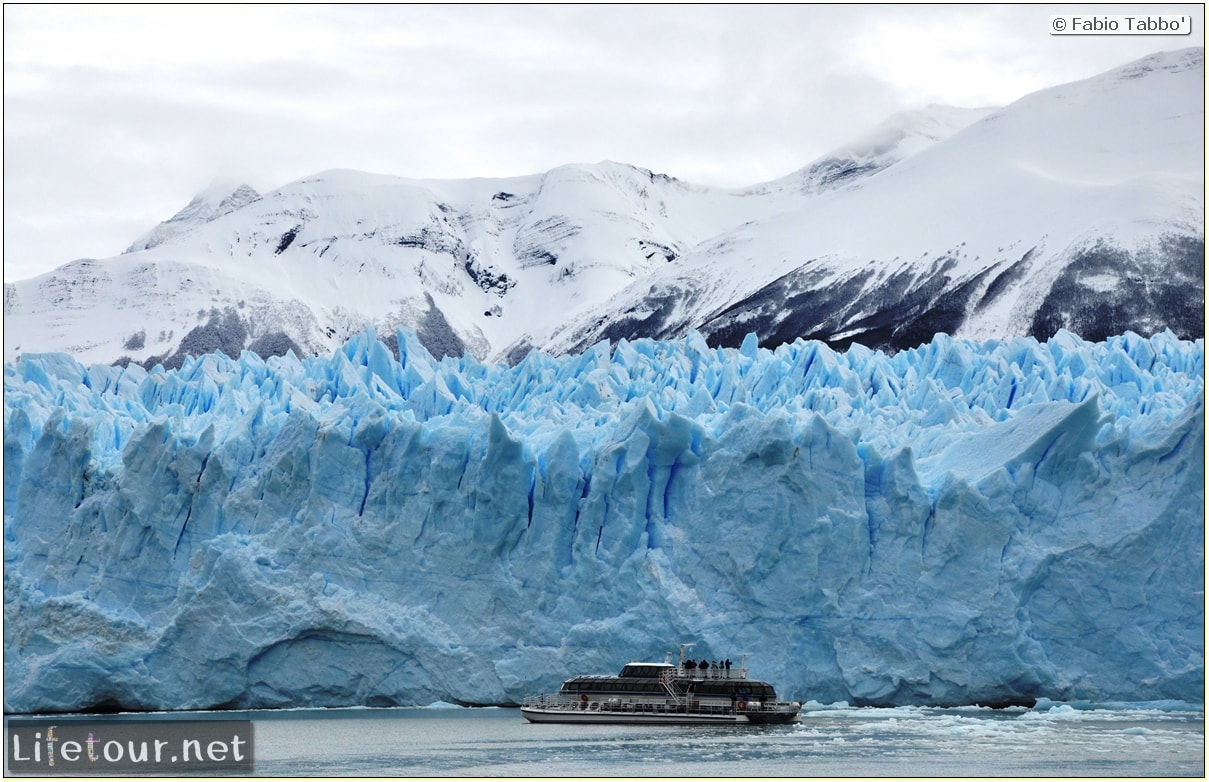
[{"x": 561, "y": 708}]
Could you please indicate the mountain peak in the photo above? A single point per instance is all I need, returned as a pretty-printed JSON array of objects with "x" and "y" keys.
[
  {"x": 897, "y": 138},
  {"x": 210, "y": 204},
  {"x": 241, "y": 195},
  {"x": 1171, "y": 61}
]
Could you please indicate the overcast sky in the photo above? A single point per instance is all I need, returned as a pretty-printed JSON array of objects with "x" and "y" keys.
[{"x": 116, "y": 116}]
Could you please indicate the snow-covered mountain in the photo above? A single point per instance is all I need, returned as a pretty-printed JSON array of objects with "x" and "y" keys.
[{"x": 1079, "y": 207}]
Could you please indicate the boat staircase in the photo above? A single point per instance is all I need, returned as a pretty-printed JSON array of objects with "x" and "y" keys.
[{"x": 668, "y": 680}]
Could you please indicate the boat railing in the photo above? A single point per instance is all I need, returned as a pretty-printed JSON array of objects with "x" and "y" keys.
[
  {"x": 669, "y": 706},
  {"x": 550, "y": 701},
  {"x": 708, "y": 674},
  {"x": 560, "y": 702},
  {"x": 775, "y": 706}
]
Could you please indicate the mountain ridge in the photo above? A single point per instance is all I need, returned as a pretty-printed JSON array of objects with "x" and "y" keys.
[{"x": 1080, "y": 207}]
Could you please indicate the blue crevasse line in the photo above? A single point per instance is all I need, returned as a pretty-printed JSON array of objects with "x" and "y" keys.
[
  {"x": 1045, "y": 452},
  {"x": 871, "y": 529},
  {"x": 181, "y": 535},
  {"x": 192, "y": 500},
  {"x": 365, "y": 493},
  {"x": 667, "y": 490},
  {"x": 465, "y": 462},
  {"x": 928, "y": 522},
  {"x": 532, "y": 489}
]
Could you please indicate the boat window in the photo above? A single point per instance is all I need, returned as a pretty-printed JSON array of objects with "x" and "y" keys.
[{"x": 643, "y": 671}]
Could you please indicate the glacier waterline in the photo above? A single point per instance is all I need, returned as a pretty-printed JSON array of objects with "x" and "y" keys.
[
  {"x": 959, "y": 523},
  {"x": 1128, "y": 740}
]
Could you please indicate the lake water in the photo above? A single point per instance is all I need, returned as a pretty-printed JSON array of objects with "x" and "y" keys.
[{"x": 829, "y": 741}]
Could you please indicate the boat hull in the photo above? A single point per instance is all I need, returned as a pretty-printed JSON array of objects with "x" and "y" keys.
[{"x": 543, "y": 715}]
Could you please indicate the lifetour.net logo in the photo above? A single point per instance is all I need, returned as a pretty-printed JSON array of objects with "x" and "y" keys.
[{"x": 142, "y": 748}]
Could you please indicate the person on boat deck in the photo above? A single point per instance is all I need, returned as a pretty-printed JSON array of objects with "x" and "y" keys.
[{"x": 690, "y": 665}]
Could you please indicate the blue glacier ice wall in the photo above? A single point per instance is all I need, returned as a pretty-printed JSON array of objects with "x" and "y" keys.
[{"x": 953, "y": 524}]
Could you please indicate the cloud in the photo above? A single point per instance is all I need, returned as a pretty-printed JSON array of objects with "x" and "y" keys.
[{"x": 116, "y": 115}]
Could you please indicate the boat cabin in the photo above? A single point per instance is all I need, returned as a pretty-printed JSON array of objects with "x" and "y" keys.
[
  {"x": 648, "y": 678},
  {"x": 704, "y": 693}
]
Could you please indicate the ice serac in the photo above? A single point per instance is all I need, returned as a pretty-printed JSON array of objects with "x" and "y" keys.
[{"x": 960, "y": 523}]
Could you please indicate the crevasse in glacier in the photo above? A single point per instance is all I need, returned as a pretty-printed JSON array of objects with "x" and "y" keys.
[{"x": 959, "y": 523}]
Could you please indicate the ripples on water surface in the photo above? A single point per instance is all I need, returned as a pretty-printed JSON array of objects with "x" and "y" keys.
[{"x": 1058, "y": 741}]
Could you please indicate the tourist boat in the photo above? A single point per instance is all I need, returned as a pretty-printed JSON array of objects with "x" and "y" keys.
[{"x": 662, "y": 693}]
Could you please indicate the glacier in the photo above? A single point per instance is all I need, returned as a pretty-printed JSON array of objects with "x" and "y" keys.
[{"x": 965, "y": 522}]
